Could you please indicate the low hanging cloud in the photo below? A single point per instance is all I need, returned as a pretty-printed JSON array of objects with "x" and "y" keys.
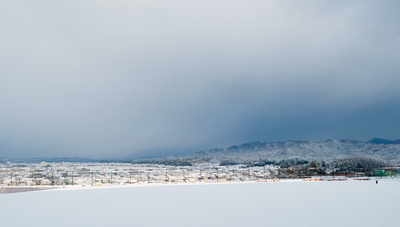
[{"x": 113, "y": 79}]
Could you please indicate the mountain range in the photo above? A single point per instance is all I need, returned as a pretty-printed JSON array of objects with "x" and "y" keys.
[
  {"x": 328, "y": 150},
  {"x": 380, "y": 149}
]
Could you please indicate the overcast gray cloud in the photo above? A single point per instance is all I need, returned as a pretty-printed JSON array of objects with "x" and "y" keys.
[{"x": 115, "y": 78}]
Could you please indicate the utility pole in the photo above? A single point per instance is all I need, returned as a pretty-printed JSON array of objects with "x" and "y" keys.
[
  {"x": 32, "y": 177},
  {"x": 217, "y": 175},
  {"x": 52, "y": 178},
  {"x": 264, "y": 172},
  {"x": 233, "y": 174}
]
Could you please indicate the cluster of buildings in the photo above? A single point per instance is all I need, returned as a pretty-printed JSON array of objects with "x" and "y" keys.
[{"x": 102, "y": 174}]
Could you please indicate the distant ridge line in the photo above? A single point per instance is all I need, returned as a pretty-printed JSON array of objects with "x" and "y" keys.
[
  {"x": 383, "y": 141},
  {"x": 264, "y": 150}
]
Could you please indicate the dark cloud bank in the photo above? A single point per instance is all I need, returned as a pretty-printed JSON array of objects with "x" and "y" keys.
[{"x": 105, "y": 79}]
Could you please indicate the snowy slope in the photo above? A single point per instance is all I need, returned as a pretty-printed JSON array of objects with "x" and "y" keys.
[
  {"x": 281, "y": 204},
  {"x": 326, "y": 150}
]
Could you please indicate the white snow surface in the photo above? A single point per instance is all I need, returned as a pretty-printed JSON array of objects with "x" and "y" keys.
[{"x": 289, "y": 203}]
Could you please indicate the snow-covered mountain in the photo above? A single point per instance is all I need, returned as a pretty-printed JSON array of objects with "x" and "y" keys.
[{"x": 307, "y": 150}]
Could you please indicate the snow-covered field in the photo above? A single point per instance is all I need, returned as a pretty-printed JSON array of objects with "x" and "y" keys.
[{"x": 350, "y": 203}]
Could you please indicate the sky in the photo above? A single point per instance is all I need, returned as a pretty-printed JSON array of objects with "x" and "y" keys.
[{"x": 112, "y": 79}]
